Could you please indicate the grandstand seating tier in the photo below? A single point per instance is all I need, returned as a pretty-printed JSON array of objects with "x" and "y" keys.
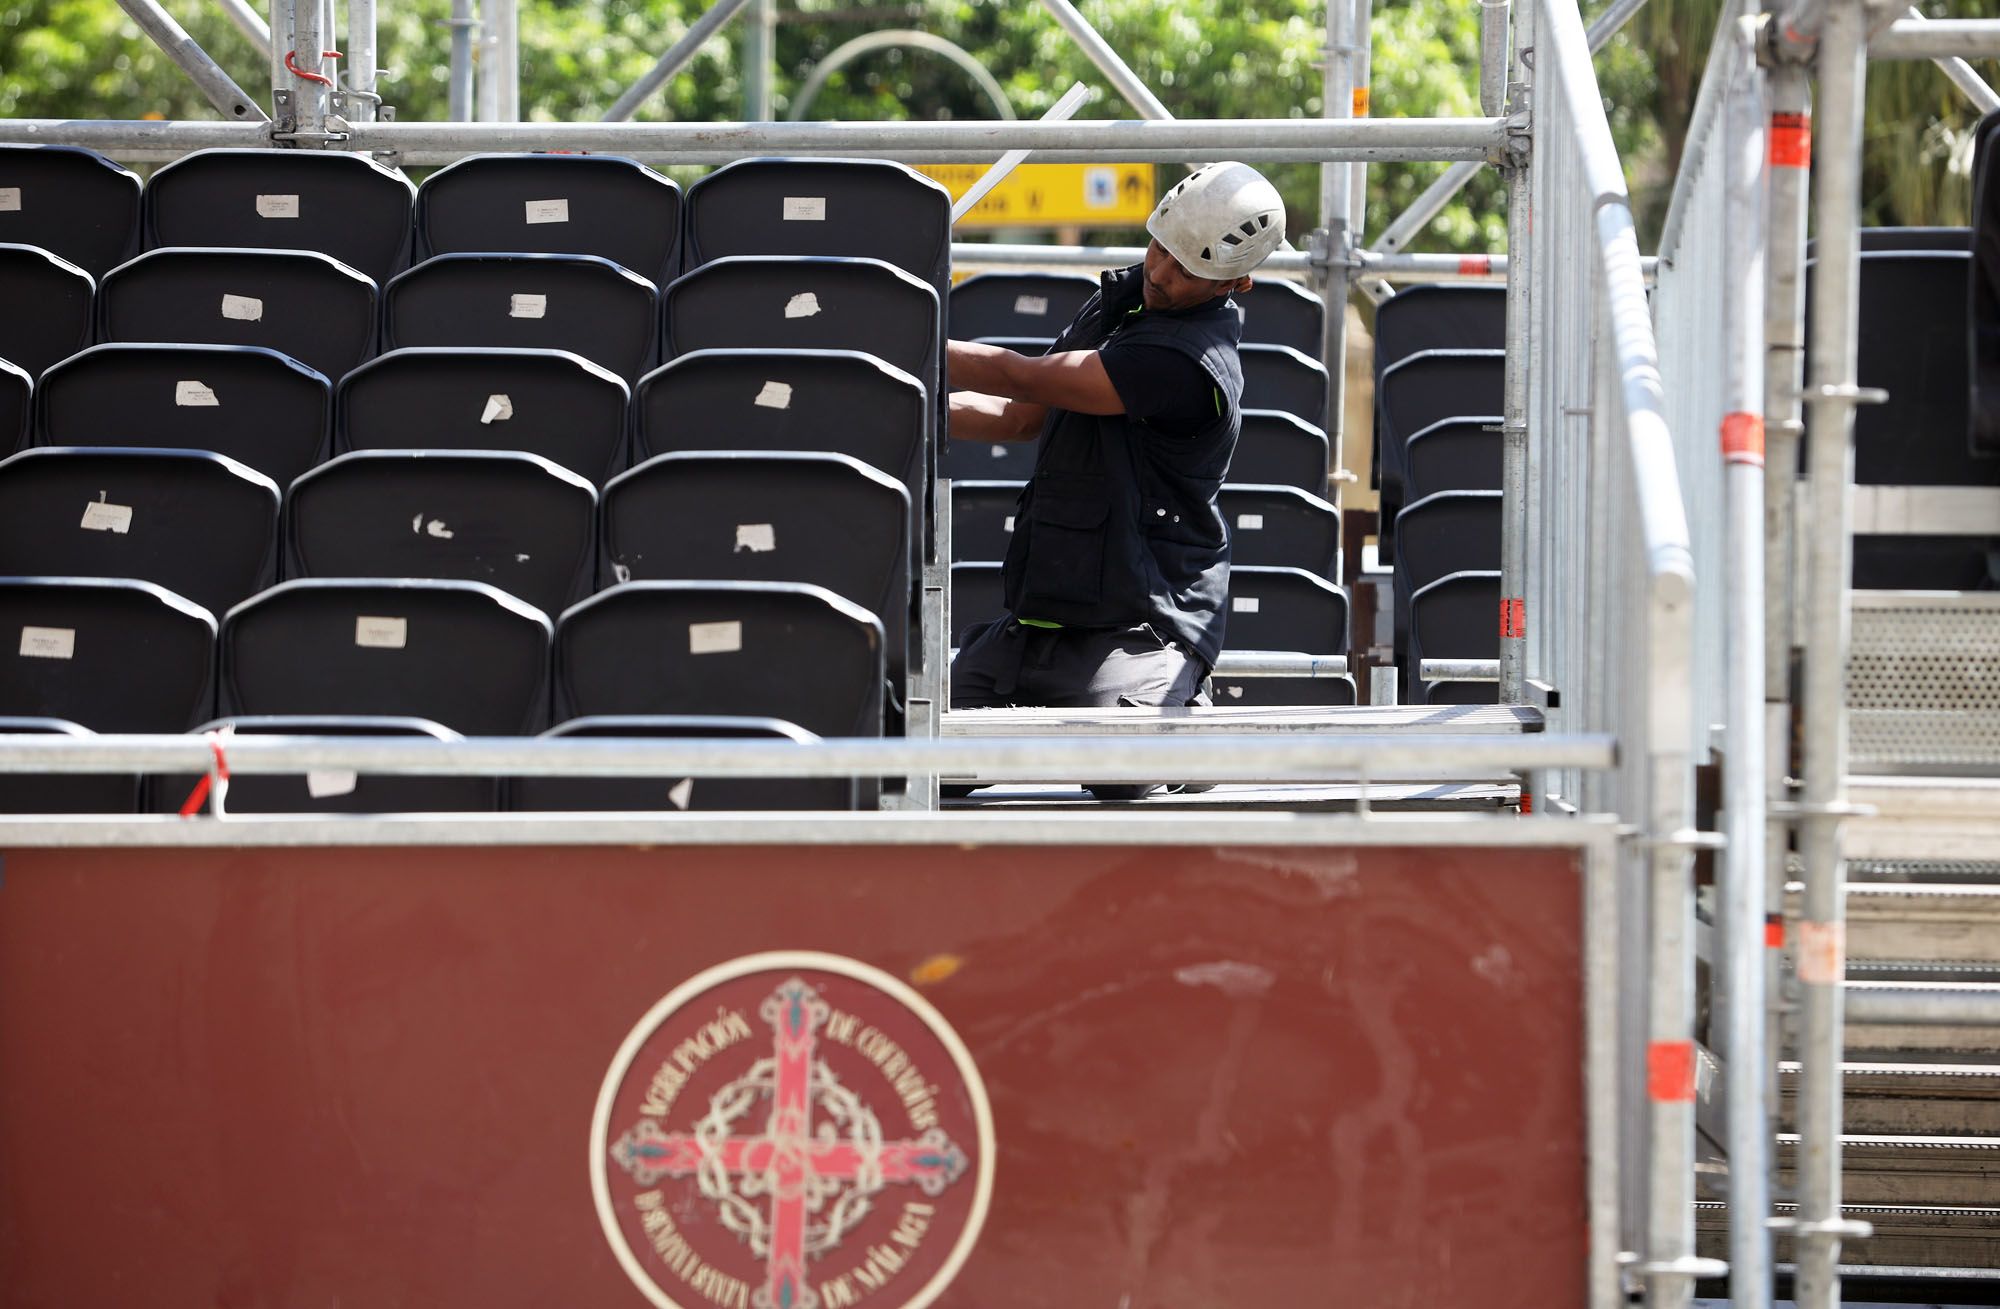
[{"x": 615, "y": 208}]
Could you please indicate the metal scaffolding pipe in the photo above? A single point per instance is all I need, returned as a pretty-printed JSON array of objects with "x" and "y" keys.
[
  {"x": 1842, "y": 64},
  {"x": 760, "y": 44},
  {"x": 673, "y": 60},
  {"x": 1514, "y": 420},
  {"x": 1937, "y": 38},
  {"x": 1961, "y": 74},
  {"x": 361, "y": 69},
  {"x": 1108, "y": 62},
  {"x": 459, "y": 87},
  {"x": 307, "y": 83},
  {"x": 249, "y": 22},
  {"x": 1888, "y": 1003},
  {"x": 1331, "y": 245},
  {"x": 500, "y": 61},
  {"x": 1493, "y": 55},
  {"x": 216, "y": 86}
]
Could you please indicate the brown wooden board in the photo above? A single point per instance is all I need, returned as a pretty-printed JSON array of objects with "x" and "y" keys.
[{"x": 1217, "y": 1077}]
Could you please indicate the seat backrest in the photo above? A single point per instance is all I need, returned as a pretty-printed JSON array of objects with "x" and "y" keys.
[
  {"x": 866, "y": 208},
  {"x": 51, "y": 301},
  {"x": 616, "y": 209},
  {"x": 781, "y": 399},
  {"x": 1447, "y": 532},
  {"x": 1425, "y": 388},
  {"x": 512, "y": 520},
  {"x": 63, "y": 793},
  {"x": 1279, "y": 377},
  {"x": 729, "y": 794},
  {"x": 763, "y": 516},
  {"x": 462, "y": 654},
  {"x": 1017, "y": 304},
  {"x": 974, "y": 461},
  {"x": 1285, "y": 609},
  {"x": 343, "y": 205},
  {"x": 17, "y": 394},
  {"x": 550, "y": 403},
  {"x": 762, "y": 302},
  {"x": 1281, "y": 312},
  {"x": 309, "y": 306},
  {"x": 112, "y": 654},
  {"x": 977, "y": 596},
  {"x": 1281, "y": 449},
  {"x": 201, "y": 525},
  {"x": 579, "y": 303},
  {"x": 1455, "y": 617},
  {"x": 333, "y": 791},
  {"x": 1280, "y": 526},
  {"x": 218, "y": 398},
  {"x": 72, "y": 202},
  {"x": 982, "y": 518},
  {"x": 1448, "y": 316},
  {"x": 1453, "y": 454},
  {"x": 1913, "y": 344},
  {"x": 764, "y": 649}
]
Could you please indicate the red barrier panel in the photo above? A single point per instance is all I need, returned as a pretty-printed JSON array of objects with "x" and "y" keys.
[{"x": 369, "y": 1077}]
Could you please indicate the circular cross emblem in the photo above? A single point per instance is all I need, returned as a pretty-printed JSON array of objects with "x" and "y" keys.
[{"x": 792, "y": 1131}]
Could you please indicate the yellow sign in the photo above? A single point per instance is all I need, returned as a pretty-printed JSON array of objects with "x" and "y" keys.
[{"x": 1054, "y": 195}]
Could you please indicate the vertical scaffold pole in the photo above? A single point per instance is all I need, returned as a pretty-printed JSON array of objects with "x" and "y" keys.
[
  {"x": 1741, "y": 913},
  {"x": 459, "y": 92},
  {"x": 760, "y": 36},
  {"x": 362, "y": 69},
  {"x": 1819, "y": 953},
  {"x": 1332, "y": 245},
  {"x": 1512, "y": 617}
]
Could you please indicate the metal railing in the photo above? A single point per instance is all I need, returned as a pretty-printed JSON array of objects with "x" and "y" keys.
[{"x": 1608, "y": 594}]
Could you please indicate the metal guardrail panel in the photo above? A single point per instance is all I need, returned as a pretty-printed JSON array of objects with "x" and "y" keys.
[{"x": 1923, "y": 683}]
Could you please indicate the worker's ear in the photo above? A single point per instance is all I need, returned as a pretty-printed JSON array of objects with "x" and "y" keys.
[{"x": 1241, "y": 285}]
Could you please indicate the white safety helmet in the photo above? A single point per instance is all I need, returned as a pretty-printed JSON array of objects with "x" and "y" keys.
[{"x": 1220, "y": 221}]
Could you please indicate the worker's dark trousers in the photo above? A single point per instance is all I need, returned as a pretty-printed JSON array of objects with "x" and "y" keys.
[{"x": 1005, "y": 664}]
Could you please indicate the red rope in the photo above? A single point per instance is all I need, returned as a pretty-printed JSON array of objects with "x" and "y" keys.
[
  {"x": 199, "y": 796},
  {"x": 290, "y": 55}
]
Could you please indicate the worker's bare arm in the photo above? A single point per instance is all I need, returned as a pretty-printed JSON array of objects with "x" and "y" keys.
[
  {"x": 977, "y": 417},
  {"x": 1074, "y": 380}
]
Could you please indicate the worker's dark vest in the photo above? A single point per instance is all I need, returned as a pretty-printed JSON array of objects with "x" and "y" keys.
[{"x": 1120, "y": 525}]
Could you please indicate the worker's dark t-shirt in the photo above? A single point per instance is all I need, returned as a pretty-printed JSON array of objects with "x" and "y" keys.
[{"x": 1162, "y": 387}]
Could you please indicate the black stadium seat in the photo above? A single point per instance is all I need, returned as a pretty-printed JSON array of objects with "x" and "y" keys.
[
  {"x": 512, "y": 520},
  {"x": 72, "y": 202},
  {"x": 63, "y": 793},
  {"x": 1453, "y": 316},
  {"x": 977, "y": 596},
  {"x": 761, "y": 516},
  {"x": 201, "y": 525},
  {"x": 332, "y": 791},
  {"x": 763, "y": 649},
  {"x": 637, "y": 794},
  {"x": 194, "y": 397},
  {"x": 17, "y": 392},
  {"x": 47, "y": 307},
  {"x": 1277, "y": 448},
  {"x": 1279, "y": 377},
  {"x": 865, "y": 208},
  {"x": 1280, "y": 526},
  {"x": 1017, "y": 304},
  {"x": 462, "y": 654},
  {"x": 546, "y": 402},
  {"x": 1453, "y": 454},
  {"x": 763, "y": 399},
  {"x": 580, "y": 303},
  {"x": 779, "y": 303},
  {"x": 1424, "y": 388},
  {"x": 1280, "y": 312},
  {"x": 1455, "y": 617},
  {"x": 309, "y": 306},
  {"x": 985, "y": 461},
  {"x": 113, "y": 655},
  {"x": 343, "y": 205},
  {"x": 1285, "y": 609},
  {"x": 982, "y": 518},
  {"x": 1445, "y": 532},
  {"x": 616, "y": 209}
]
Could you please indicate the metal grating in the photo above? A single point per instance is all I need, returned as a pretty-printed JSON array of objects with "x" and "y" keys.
[{"x": 1923, "y": 683}]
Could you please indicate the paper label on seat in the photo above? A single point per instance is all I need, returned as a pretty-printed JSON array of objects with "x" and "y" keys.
[
  {"x": 381, "y": 633},
  {"x": 499, "y": 409},
  {"x": 757, "y": 538},
  {"x": 999, "y": 452},
  {"x": 1243, "y": 604},
  {"x": 1009, "y": 524},
  {"x": 715, "y": 638},
  {"x": 1033, "y": 306},
  {"x": 803, "y": 305},
  {"x": 189, "y": 394},
  {"x": 48, "y": 643},
  {"x": 331, "y": 781},
  {"x": 10, "y": 199},
  {"x": 1250, "y": 522},
  {"x": 277, "y": 206},
  {"x": 243, "y": 308},
  {"x": 775, "y": 395},
  {"x": 101, "y": 517},
  {"x": 805, "y": 209},
  {"x": 681, "y": 793},
  {"x": 548, "y": 211},
  {"x": 527, "y": 306}
]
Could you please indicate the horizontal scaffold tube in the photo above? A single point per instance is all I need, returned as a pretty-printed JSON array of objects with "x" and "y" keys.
[
  {"x": 1968, "y": 1004},
  {"x": 1193, "y": 756},
  {"x": 1937, "y": 38},
  {"x": 1266, "y": 140}
]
